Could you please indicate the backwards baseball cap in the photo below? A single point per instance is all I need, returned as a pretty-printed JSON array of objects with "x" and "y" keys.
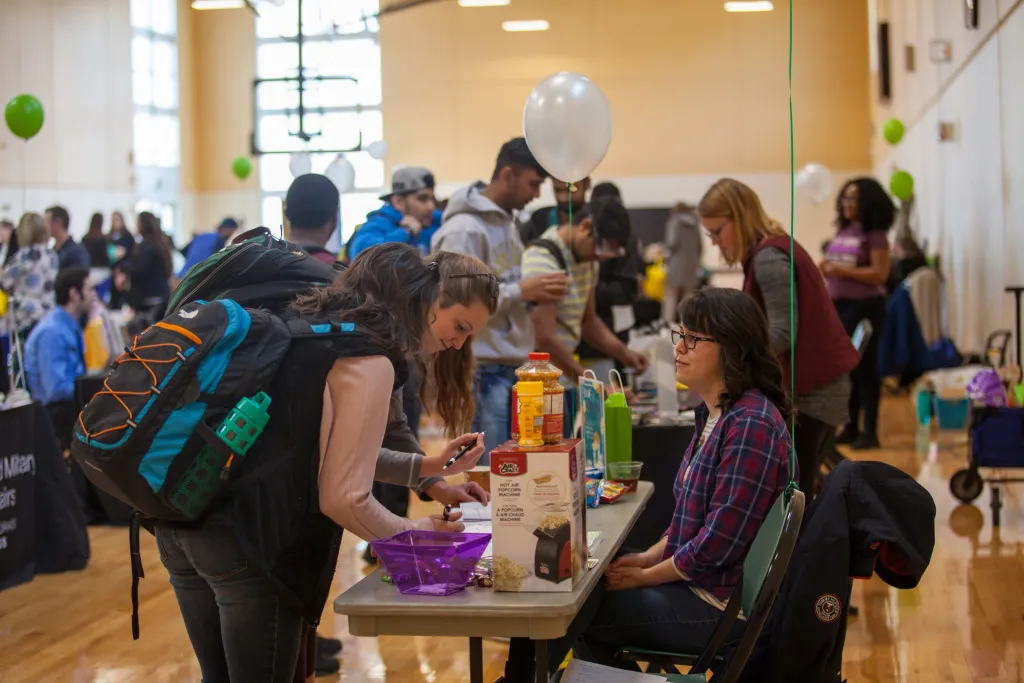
[
  {"x": 312, "y": 201},
  {"x": 228, "y": 223},
  {"x": 410, "y": 179}
]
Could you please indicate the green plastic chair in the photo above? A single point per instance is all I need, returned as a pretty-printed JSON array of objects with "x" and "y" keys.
[{"x": 763, "y": 571}]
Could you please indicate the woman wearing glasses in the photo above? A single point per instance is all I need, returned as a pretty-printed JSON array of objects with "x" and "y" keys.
[
  {"x": 801, "y": 320},
  {"x": 856, "y": 267},
  {"x": 671, "y": 596}
]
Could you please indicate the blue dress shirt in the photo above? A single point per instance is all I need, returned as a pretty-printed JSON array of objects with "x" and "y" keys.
[{"x": 54, "y": 357}]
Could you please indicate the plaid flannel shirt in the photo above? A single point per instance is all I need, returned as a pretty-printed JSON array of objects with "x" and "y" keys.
[{"x": 724, "y": 491}]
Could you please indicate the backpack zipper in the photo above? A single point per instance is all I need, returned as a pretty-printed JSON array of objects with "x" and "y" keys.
[{"x": 227, "y": 259}]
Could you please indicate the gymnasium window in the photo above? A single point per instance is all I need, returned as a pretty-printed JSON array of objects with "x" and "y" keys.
[
  {"x": 156, "y": 127},
  {"x": 340, "y": 39}
]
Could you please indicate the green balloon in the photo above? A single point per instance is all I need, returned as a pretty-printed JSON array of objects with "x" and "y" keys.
[
  {"x": 24, "y": 116},
  {"x": 893, "y": 131},
  {"x": 241, "y": 167},
  {"x": 901, "y": 185}
]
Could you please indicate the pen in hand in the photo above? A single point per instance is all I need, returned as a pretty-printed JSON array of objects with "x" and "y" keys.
[{"x": 465, "y": 449}]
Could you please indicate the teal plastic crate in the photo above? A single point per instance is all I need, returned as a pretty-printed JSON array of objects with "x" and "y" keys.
[{"x": 952, "y": 413}]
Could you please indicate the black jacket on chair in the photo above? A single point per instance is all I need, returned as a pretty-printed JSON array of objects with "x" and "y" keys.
[{"x": 870, "y": 518}]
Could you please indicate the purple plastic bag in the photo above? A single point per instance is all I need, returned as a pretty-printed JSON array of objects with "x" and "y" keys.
[{"x": 987, "y": 389}]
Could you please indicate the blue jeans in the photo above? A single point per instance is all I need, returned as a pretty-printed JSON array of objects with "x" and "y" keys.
[
  {"x": 669, "y": 617},
  {"x": 241, "y": 627},
  {"x": 492, "y": 389}
]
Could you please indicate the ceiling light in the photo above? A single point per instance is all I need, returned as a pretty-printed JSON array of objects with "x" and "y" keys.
[
  {"x": 755, "y": 6},
  {"x": 517, "y": 26},
  {"x": 484, "y": 3},
  {"x": 218, "y": 4}
]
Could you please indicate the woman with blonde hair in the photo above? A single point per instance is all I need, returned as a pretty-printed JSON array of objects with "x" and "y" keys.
[
  {"x": 735, "y": 220},
  {"x": 28, "y": 278}
]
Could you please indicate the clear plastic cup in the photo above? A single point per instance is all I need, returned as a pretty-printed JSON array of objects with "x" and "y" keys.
[{"x": 626, "y": 473}]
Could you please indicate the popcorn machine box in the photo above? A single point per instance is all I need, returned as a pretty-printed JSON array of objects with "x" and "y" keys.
[{"x": 538, "y": 517}]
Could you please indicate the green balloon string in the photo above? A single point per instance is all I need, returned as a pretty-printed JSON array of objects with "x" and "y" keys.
[
  {"x": 792, "y": 255},
  {"x": 571, "y": 188}
]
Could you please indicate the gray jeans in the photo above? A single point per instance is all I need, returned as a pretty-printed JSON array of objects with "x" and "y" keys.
[{"x": 241, "y": 627}]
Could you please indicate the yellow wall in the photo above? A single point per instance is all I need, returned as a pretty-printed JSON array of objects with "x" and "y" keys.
[
  {"x": 692, "y": 88},
  {"x": 223, "y": 67},
  {"x": 187, "y": 102}
]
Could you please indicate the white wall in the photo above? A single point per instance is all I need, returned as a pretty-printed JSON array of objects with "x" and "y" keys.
[
  {"x": 201, "y": 212},
  {"x": 74, "y": 55},
  {"x": 970, "y": 191}
]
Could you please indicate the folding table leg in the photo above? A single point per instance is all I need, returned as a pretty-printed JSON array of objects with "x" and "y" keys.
[
  {"x": 541, "y": 665},
  {"x": 476, "y": 660}
]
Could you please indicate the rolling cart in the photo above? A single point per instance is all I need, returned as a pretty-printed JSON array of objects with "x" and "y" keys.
[{"x": 995, "y": 439}]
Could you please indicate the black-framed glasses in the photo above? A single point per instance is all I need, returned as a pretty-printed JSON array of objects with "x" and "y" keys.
[
  {"x": 494, "y": 290},
  {"x": 689, "y": 339}
]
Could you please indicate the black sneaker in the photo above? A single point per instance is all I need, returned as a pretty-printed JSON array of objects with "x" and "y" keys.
[
  {"x": 848, "y": 435},
  {"x": 326, "y": 665},
  {"x": 865, "y": 442},
  {"x": 329, "y": 646}
]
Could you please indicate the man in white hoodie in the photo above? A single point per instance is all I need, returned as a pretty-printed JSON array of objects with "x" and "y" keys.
[{"x": 479, "y": 222}]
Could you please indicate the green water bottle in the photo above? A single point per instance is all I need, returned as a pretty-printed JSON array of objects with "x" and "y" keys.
[
  {"x": 244, "y": 424},
  {"x": 618, "y": 420},
  {"x": 209, "y": 472}
]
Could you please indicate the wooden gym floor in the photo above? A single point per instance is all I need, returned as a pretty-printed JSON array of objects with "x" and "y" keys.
[{"x": 965, "y": 622}]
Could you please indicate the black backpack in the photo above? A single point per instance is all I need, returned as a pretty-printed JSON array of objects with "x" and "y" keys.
[
  {"x": 257, "y": 270},
  {"x": 185, "y": 403}
]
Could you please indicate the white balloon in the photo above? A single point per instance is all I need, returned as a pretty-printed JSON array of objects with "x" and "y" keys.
[
  {"x": 568, "y": 125},
  {"x": 300, "y": 163},
  {"x": 342, "y": 173},
  {"x": 378, "y": 149},
  {"x": 814, "y": 182}
]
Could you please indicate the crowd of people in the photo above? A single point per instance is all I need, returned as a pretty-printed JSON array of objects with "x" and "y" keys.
[{"x": 451, "y": 303}]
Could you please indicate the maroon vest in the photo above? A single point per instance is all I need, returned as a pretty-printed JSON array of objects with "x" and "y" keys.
[{"x": 824, "y": 352}]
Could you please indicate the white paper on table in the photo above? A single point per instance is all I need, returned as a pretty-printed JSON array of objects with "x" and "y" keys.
[
  {"x": 622, "y": 318},
  {"x": 579, "y": 671},
  {"x": 475, "y": 512}
]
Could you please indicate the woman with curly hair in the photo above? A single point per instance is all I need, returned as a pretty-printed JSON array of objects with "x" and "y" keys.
[
  {"x": 856, "y": 268},
  {"x": 671, "y": 596}
]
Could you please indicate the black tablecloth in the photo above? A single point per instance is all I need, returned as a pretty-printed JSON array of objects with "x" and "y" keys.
[
  {"x": 661, "y": 449},
  {"x": 42, "y": 528}
]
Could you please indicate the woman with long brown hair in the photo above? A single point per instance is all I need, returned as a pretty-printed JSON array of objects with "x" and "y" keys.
[
  {"x": 671, "y": 596},
  {"x": 736, "y": 221},
  {"x": 95, "y": 242},
  {"x": 150, "y": 269},
  {"x": 254, "y": 573}
]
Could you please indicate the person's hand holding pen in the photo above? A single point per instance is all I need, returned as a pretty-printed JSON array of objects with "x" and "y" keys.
[
  {"x": 448, "y": 520},
  {"x": 437, "y": 465}
]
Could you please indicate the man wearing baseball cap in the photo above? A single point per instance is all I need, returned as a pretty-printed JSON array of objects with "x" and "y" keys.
[{"x": 409, "y": 214}]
